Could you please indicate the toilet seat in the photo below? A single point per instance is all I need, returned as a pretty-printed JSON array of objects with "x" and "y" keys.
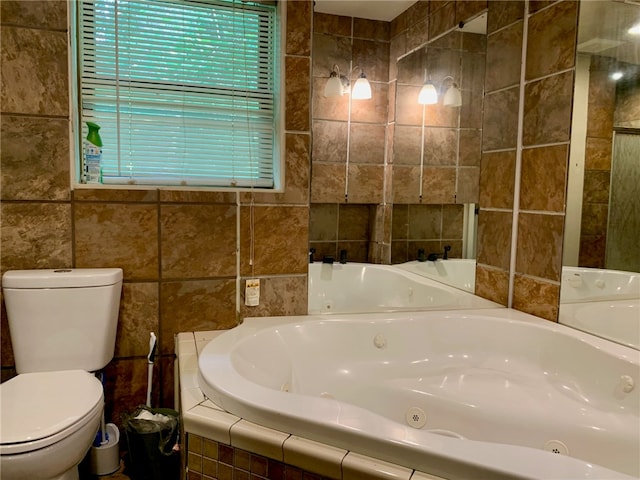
[{"x": 39, "y": 409}]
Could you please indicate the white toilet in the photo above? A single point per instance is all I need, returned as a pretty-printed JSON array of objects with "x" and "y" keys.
[{"x": 63, "y": 326}]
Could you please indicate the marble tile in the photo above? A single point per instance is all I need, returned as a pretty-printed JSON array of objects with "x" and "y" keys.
[
  {"x": 328, "y": 182},
  {"x": 547, "y": 110},
  {"x": 36, "y": 235},
  {"x": 329, "y": 50},
  {"x": 406, "y": 143},
  {"x": 468, "y": 185},
  {"x": 452, "y": 221},
  {"x": 494, "y": 238},
  {"x": 399, "y": 252},
  {"x": 195, "y": 305},
  {"x": 6, "y": 348},
  {"x": 503, "y": 13},
  {"x": 600, "y": 121},
  {"x": 373, "y": 57},
  {"x": 598, "y": 154},
  {"x": 592, "y": 251},
  {"x": 193, "y": 196},
  {"x": 331, "y": 24},
  {"x": 594, "y": 218},
  {"x": 297, "y": 158},
  {"x": 323, "y": 222},
  {"x": 353, "y": 222},
  {"x": 468, "y": 9},
  {"x": 139, "y": 308},
  {"x": 492, "y": 283},
  {"x": 126, "y": 387},
  {"x": 329, "y": 141},
  {"x": 400, "y": 222},
  {"x": 357, "y": 251},
  {"x": 544, "y": 177},
  {"x": 470, "y": 114},
  {"x": 375, "y": 109},
  {"x": 399, "y": 24},
  {"x": 596, "y": 186},
  {"x": 504, "y": 57},
  {"x": 198, "y": 241},
  {"x": 442, "y": 20},
  {"x": 115, "y": 196},
  {"x": 537, "y": 297},
  {"x": 329, "y": 108},
  {"x": 408, "y": 111},
  {"x": 366, "y": 183},
  {"x": 367, "y": 143},
  {"x": 117, "y": 235},
  {"x": 36, "y": 14},
  {"x": 281, "y": 250},
  {"x": 470, "y": 147},
  {"x": 278, "y": 296},
  {"x": 391, "y": 113},
  {"x": 35, "y": 158},
  {"x": 371, "y": 29},
  {"x": 497, "y": 179},
  {"x": 417, "y": 34},
  {"x": 406, "y": 184},
  {"x": 500, "y": 121},
  {"x": 551, "y": 40},
  {"x": 34, "y": 71},
  {"x": 536, "y": 230},
  {"x": 535, "y": 5},
  {"x": 438, "y": 185},
  {"x": 440, "y": 146},
  {"x": 425, "y": 222},
  {"x": 298, "y": 36},
  {"x": 297, "y": 104}
]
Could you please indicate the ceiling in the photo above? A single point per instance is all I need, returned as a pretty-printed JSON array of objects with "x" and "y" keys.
[{"x": 385, "y": 10}]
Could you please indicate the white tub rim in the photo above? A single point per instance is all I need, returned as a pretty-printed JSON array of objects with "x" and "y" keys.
[{"x": 508, "y": 466}]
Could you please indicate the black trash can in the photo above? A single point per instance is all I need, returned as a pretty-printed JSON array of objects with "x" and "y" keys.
[{"x": 150, "y": 445}]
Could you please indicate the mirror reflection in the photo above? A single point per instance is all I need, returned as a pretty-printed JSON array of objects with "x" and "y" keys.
[
  {"x": 399, "y": 187},
  {"x": 600, "y": 291}
]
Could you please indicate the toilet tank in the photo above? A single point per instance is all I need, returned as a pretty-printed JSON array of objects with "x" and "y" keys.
[{"x": 63, "y": 319}]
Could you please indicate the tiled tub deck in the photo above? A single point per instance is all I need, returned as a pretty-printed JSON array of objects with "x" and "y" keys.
[{"x": 225, "y": 447}]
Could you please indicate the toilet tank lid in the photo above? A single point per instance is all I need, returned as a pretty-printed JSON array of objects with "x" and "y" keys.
[{"x": 61, "y": 278}]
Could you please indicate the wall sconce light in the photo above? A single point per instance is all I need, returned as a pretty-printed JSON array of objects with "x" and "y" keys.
[
  {"x": 338, "y": 85},
  {"x": 429, "y": 93}
]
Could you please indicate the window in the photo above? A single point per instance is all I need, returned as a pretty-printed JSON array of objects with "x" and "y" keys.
[{"x": 184, "y": 91}]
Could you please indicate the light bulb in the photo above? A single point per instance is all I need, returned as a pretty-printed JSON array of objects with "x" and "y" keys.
[
  {"x": 361, "y": 89},
  {"x": 333, "y": 88},
  {"x": 428, "y": 94}
]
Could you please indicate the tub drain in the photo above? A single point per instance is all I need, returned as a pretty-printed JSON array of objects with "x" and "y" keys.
[
  {"x": 416, "y": 417},
  {"x": 556, "y": 446}
]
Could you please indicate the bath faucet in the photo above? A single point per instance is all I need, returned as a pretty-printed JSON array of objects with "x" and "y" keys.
[
  {"x": 446, "y": 252},
  {"x": 343, "y": 256},
  {"x": 327, "y": 259},
  {"x": 432, "y": 257},
  {"x": 421, "y": 256},
  {"x": 312, "y": 251}
]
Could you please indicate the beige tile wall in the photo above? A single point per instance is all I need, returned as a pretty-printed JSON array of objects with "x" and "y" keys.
[
  {"x": 177, "y": 249},
  {"x": 542, "y": 155}
]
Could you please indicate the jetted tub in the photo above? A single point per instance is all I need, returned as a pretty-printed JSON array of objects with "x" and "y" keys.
[
  {"x": 605, "y": 303},
  {"x": 365, "y": 287},
  {"x": 456, "y": 272},
  {"x": 488, "y": 394}
]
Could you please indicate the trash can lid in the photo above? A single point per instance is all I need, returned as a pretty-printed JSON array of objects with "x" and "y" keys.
[{"x": 34, "y": 406}]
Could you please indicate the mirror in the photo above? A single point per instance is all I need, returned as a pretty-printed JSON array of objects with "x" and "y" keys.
[
  {"x": 602, "y": 230},
  {"x": 432, "y": 166}
]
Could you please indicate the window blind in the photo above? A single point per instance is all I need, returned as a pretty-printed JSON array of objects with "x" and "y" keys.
[{"x": 184, "y": 91}]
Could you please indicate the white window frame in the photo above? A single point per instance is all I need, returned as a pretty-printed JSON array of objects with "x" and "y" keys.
[{"x": 76, "y": 131}]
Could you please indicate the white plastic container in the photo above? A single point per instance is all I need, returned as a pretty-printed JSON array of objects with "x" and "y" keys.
[{"x": 105, "y": 459}]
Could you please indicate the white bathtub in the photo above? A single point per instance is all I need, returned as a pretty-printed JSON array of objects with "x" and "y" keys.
[
  {"x": 495, "y": 388},
  {"x": 456, "y": 272},
  {"x": 605, "y": 303},
  {"x": 364, "y": 287}
]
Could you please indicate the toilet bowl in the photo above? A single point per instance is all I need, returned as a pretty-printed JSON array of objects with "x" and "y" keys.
[{"x": 49, "y": 421}]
